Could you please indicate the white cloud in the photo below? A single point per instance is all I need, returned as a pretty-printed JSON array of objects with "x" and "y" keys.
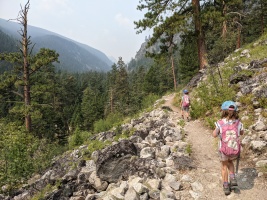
[
  {"x": 58, "y": 6},
  {"x": 122, "y": 20}
]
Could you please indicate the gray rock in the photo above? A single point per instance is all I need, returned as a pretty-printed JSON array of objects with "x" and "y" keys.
[
  {"x": 165, "y": 194},
  {"x": 258, "y": 145},
  {"x": 175, "y": 185},
  {"x": 140, "y": 188},
  {"x": 154, "y": 194},
  {"x": 144, "y": 196},
  {"x": 131, "y": 194},
  {"x": 147, "y": 152},
  {"x": 153, "y": 184},
  {"x": 261, "y": 163},
  {"x": 260, "y": 126},
  {"x": 197, "y": 187}
]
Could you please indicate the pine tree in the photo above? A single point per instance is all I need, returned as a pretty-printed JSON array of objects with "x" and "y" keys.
[
  {"x": 91, "y": 107},
  {"x": 176, "y": 21},
  {"x": 255, "y": 20}
]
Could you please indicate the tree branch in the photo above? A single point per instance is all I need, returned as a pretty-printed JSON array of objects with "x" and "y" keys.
[{"x": 17, "y": 93}]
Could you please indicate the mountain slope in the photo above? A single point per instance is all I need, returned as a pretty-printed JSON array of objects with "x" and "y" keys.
[
  {"x": 74, "y": 56},
  {"x": 71, "y": 56}
]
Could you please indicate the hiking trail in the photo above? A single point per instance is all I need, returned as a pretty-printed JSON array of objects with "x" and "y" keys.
[{"x": 207, "y": 169}]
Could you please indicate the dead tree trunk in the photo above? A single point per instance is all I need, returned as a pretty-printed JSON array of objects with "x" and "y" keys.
[
  {"x": 224, "y": 25},
  {"x": 111, "y": 101},
  {"x": 173, "y": 73},
  {"x": 262, "y": 5},
  {"x": 238, "y": 42},
  {"x": 25, "y": 42}
]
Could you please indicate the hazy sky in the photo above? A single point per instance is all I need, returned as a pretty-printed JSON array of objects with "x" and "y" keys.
[{"x": 106, "y": 25}]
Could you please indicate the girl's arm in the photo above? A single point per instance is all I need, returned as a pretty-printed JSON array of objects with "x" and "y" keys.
[
  {"x": 241, "y": 129},
  {"x": 216, "y": 131}
]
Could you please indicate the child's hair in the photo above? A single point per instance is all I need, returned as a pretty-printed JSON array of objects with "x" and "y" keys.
[{"x": 232, "y": 114}]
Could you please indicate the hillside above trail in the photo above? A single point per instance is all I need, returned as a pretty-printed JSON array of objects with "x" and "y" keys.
[{"x": 207, "y": 166}]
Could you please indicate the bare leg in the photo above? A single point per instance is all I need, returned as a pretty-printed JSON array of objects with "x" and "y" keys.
[
  {"x": 186, "y": 114},
  {"x": 231, "y": 167},
  {"x": 182, "y": 112},
  {"x": 224, "y": 171},
  {"x": 226, "y": 187}
]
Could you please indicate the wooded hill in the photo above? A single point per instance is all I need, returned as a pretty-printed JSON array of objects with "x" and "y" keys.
[{"x": 45, "y": 112}]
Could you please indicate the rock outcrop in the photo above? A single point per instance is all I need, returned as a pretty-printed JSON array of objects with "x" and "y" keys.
[{"x": 144, "y": 166}]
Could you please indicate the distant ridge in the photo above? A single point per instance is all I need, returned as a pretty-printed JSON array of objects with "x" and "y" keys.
[{"x": 74, "y": 56}]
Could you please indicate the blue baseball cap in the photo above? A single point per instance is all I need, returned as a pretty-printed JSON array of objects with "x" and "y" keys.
[
  {"x": 229, "y": 105},
  {"x": 185, "y": 91}
]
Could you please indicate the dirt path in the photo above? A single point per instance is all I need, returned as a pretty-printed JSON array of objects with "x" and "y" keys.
[{"x": 208, "y": 166}]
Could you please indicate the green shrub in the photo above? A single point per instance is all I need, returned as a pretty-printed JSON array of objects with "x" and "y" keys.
[
  {"x": 149, "y": 100},
  {"x": 249, "y": 121},
  {"x": 177, "y": 100},
  {"x": 210, "y": 122},
  {"x": 181, "y": 123},
  {"x": 210, "y": 94},
  {"x": 263, "y": 169},
  {"x": 120, "y": 136},
  {"x": 183, "y": 134},
  {"x": 123, "y": 134},
  {"x": 100, "y": 126},
  {"x": 97, "y": 145},
  {"x": 248, "y": 73},
  {"x": 113, "y": 119},
  {"x": 78, "y": 138},
  {"x": 246, "y": 99},
  {"x": 22, "y": 154},
  {"x": 197, "y": 110},
  {"x": 263, "y": 102},
  {"x": 264, "y": 114},
  {"x": 188, "y": 149},
  {"x": 41, "y": 194}
]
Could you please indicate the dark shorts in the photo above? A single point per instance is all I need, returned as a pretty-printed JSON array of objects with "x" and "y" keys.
[
  {"x": 185, "y": 108},
  {"x": 223, "y": 157}
]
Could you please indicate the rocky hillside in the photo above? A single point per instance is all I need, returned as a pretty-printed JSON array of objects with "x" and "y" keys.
[
  {"x": 247, "y": 75},
  {"x": 141, "y": 167}
]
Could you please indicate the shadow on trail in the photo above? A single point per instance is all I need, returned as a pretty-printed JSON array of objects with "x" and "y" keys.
[{"x": 245, "y": 178}]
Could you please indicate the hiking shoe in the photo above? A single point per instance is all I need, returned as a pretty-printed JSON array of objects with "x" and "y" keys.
[
  {"x": 233, "y": 181},
  {"x": 226, "y": 189}
]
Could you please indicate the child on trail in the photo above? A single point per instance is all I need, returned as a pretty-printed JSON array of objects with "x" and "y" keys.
[
  {"x": 229, "y": 128},
  {"x": 185, "y": 103}
]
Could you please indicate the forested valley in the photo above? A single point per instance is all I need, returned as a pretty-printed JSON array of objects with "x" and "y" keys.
[{"x": 45, "y": 111}]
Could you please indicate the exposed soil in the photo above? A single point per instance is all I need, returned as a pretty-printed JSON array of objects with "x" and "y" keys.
[{"x": 206, "y": 161}]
